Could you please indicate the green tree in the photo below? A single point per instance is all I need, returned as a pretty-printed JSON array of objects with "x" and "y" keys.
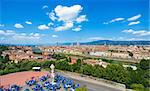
[
  {"x": 98, "y": 71},
  {"x": 145, "y": 64},
  {"x": 6, "y": 59},
  {"x": 46, "y": 64},
  {"x": 62, "y": 65},
  {"x": 68, "y": 59},
  {"x": 3, "y": 48},
  {"x": 11, "y": 66},
  {"x": 87, "y": 69},
  {"x": 75, "y": 67},
  {"x": 2, "y": 65},
  {"x": 117, "y": 73},
  {"x": 58, "y": 56}
]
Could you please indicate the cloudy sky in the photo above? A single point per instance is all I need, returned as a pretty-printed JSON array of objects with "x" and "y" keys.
[{"x": 51, "y": 21}]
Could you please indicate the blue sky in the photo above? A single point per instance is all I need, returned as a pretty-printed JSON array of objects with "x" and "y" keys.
[{"x": 51, "y": 21}]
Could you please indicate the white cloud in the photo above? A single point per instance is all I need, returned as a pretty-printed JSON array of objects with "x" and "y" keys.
[
  {"x": 128, "y": 31},
  {"x": 130, "y": 39},
  {"x": 65, "y": 13},
  {"x": 114, "y": 20},
  {"x": 50, "y": 24},
  {"x": 12, "y": 34},
  {"x": 52, "y": 16},
  {"x": 12, "y": 37},
  {"x": 2, "y": 32},
  {"x": 136, "y": 39},
  {"x": 28, "y": 22},
  {"x": 99, "y": 38},
  {"x": 35, "y": 34},
  {"x": 1, "y": 25},
  {"x": 81, "y": 19},
  {"x": 31, "y": 36},
  {"x": 134, "y": 17},
  {"x": 66, "y": 17},
  {"x": 120, "y": 38},
  {"x": 43, "y": 27},
  {"x": 142, "y": 33},
  {"x": 105, "y": 23},
  {"x": 17, "y": 25},
  {"x": 24, "y": 36},
  {"x": 7, "y": 32},
  {"x": 133, "y": 23},
  {"x": 55, "y": 36},
  {"x": 45, "y": 6},
  {"x": 129, "y": 19},
  {"x": 77, "y": 29},
  {"x": 66, "y": 26},
  {"x": 138, "y": 33}
]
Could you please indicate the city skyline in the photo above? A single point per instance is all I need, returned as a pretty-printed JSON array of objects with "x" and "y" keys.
[{"x": 51, "y": 21}]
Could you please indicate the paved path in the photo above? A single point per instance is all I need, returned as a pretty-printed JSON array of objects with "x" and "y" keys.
[
  {"x": 19, "y": 78},
  {"x": 95, "y": 87},
  {"x": 91, "y": 86}
]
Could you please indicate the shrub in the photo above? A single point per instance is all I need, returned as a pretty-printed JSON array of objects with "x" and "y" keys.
[
  {"x": 137, "y": 87},
  {"x": 81, "y": 89}
]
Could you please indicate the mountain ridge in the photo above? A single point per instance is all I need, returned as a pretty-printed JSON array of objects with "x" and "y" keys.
[{"x": 97, "y": 42}]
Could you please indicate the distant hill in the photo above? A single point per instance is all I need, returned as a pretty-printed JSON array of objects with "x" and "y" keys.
[
  {"x": 98, "y": 42},
  {"x": 110, "y": 42}
]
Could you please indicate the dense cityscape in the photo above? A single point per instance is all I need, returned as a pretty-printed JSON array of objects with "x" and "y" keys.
[
  {"x": 133, "y": 53},
  {"x": 119, "y": 65}
]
